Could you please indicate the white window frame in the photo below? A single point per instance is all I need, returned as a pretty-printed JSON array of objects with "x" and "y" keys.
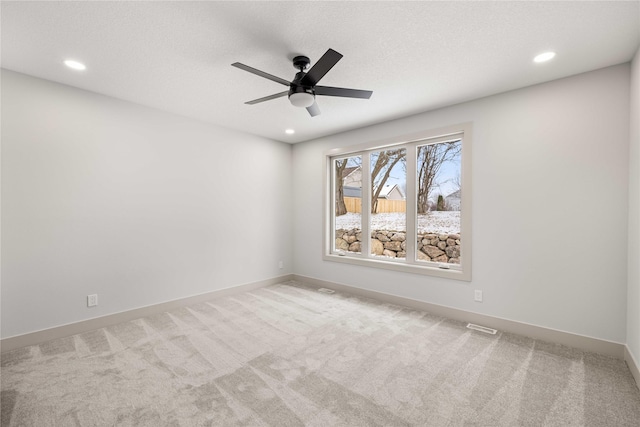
[{"x": 409, "y": 264}]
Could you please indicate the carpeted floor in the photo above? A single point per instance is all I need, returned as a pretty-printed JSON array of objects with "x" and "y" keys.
[{"x": 287, "y": 355}]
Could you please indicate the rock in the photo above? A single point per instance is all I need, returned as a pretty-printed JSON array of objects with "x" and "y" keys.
[
  {"x": 453, "y": 251},
  {"x": 441, "y": 258},
  {"x": 430, "y": 236},
  {"x": 341, "y": 245},
  {"x": 432, "y": 251},
  {"x": 355, "y": 247},
  {"x": 442, "y": 245},
  {"x": 350, "y": 239},
  {"x": 382, "y": 237},
  {"x": 454, "y": 236},
  {"x": 359, "y": 236},
  {"x": 451, "y": 242},
  {"x": 454, "y": 260},
  {"x": 443, "y": 236},
  {"x": 401, "y": 237},
  {"x": 376, "y": 247},
  {"x": 401, "y": 254},
  {"x": 434, "y": 241},
  {"x": 422, "y": 256},
  {"x": 403, "y": 245},
  {"x": 389, "y": 253},
  {"x": 393, "y": 246}
]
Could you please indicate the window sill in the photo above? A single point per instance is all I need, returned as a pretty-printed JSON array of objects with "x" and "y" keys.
[{"x": 427, "y": 270}]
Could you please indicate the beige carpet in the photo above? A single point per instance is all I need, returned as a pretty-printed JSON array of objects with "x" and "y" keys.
[{"x": 287, "y": 355}]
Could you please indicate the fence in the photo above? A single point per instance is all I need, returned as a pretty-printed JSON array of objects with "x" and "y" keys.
[{"x": 354, "y": 204}]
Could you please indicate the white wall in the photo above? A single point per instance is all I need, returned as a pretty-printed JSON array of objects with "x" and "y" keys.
[
  {"x": 137, "y": 205},
  {"x": 103, "y": 196},
  {"x": 633, "y": 298},
  {"x": 550, "y": 175}
]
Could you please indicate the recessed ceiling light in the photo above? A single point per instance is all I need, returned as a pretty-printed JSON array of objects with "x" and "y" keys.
[
  {"x": 75, "y": 64},
  {"x": 289, "y": 131},
  {"x": 544, "y": 57}
]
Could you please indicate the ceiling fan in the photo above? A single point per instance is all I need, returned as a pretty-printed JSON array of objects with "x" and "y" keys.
[{"x": 303, "y": 90}]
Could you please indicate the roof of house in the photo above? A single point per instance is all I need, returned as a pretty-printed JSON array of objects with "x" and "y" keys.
[
  {"x": 387, "y": 189},
  {"x": 352, "y": 191},
  {"x": 357, "y": 191},
  {"x": 455, "y": 195},
  {"x": 347, "y": 171}
]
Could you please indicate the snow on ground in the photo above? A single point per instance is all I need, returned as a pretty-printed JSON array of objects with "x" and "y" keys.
[{"x": 432, "y": 222}]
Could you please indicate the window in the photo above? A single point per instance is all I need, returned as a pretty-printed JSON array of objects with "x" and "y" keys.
[{"x": 402, "y": 204}]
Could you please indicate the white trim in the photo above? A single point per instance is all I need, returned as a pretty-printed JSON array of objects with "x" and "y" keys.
[
  {"x": 62, "y": 331},
  {"x": 381, "y": 262},
  {"x": 409, "y": 264},
  {"x": 365, "y": 211},
  {"x": 633, "y": 365},
  {"x": 581, "y": 342}
]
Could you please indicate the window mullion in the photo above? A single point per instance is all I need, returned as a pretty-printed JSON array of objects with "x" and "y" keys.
[
  {"x": 411, "y": 219},
  {"x": 330, "y": 219},
  {"x": 366, "y": 205}
]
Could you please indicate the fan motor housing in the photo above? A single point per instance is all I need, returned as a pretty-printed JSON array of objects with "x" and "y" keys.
[
  {"x": 301, "y": 62},
  {"x": 296, "y": 87}
]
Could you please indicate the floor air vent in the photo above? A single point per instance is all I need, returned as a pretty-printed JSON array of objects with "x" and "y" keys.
[
  {"x": 326, "y": 291},
  {"x": 481, "y": 329}
]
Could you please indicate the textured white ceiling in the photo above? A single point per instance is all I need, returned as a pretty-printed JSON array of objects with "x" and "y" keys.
[{"x": 415, "y": 56}]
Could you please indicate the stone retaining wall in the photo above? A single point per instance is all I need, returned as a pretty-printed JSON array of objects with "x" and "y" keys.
[{"x": 430, "y": 246}]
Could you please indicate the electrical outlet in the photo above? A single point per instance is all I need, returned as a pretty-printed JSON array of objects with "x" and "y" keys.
[
  {"x": 281, "y": 265},
  {"x": 92, "y": 300},
  {"x": 477, "y": 296}
]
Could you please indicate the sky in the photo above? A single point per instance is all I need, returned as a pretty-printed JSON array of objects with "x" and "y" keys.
[
  {"x": 445, "y": 181},
  {"x": 449, "y": 172}
]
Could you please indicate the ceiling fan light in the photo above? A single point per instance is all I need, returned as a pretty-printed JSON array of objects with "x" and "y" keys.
[{"x": 301, "y": 99}]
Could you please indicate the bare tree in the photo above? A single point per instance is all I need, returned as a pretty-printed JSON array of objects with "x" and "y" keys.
[
  {"x": 457, "y": 183},
  {"x": 381, "y": 171},
  {"x": 341, "y": 207},
  {"x": 430, "y": 159}
]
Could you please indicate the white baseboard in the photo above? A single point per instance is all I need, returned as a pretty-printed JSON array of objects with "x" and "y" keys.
[
  {"x": 595, "y": 345},
  {"x": 633, "y": 365},
  {"x": 45, "y": 335},
  {"x": 581, "y": 342}
]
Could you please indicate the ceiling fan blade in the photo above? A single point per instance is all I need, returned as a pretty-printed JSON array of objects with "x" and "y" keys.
[
  {"x": 313, "y": 109},
  {"x": 340, "y": 91},
  {"x": 268, "y": 98},
  {"x": 261, "y": 73},
  {"x": 321, "y": 67}
]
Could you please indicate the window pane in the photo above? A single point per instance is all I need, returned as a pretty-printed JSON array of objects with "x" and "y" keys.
[
  {"x": 388, "y": 203},
  {"x": 348, "y": 204},
  {"x": 438, "y": 199}
]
